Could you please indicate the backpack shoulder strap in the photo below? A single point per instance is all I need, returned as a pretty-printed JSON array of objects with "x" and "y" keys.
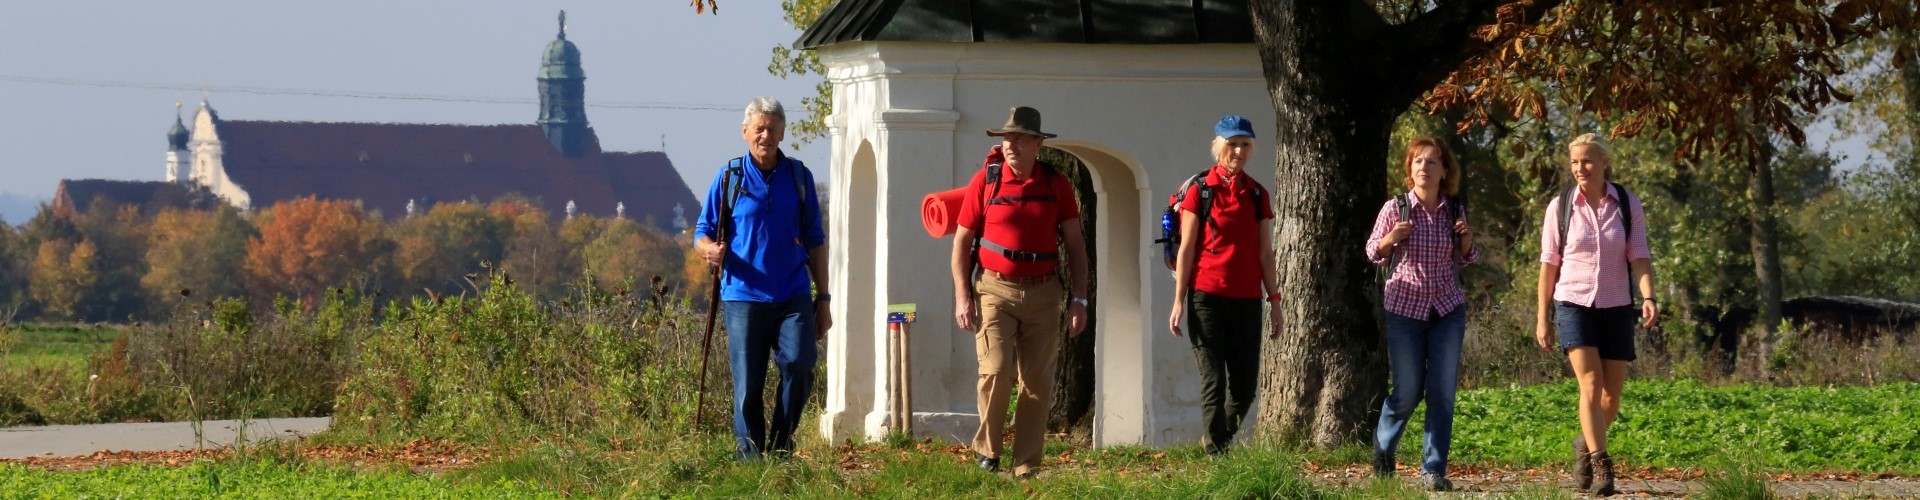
[
  {"x": 730, "y": 190},
  {"x": 736, "y": 170},
  {"x": 1626, "y": 208},
  {"x": 987, "y": 191},
  {"x": 800, "y": 196},
  {"x": 991, "y": 188},
  {"x": 1565, "y": 216},
  {"x": 1404, "y": 212},
  {"x": 1205, "y": 191}
]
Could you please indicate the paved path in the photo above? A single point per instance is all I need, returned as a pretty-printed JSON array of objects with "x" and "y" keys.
[{"x": 78, "y": 440}]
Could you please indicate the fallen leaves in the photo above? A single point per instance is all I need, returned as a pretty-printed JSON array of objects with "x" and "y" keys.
[{"x": 419, "y": 455}]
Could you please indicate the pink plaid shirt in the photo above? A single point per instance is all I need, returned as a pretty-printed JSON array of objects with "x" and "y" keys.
[
  {"x": 1594, "y": 271},
  {"x": 1427, "y": 282}
]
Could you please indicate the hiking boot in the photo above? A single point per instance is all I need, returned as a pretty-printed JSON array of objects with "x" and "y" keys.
[
  {"x": 1582, "y": 465},
  {"x": 1435, "y": 482},
  {"x": 988, "y": 464},
  {"x": 1602, "y": 474},
  {"x": 1382, "y": 465}
]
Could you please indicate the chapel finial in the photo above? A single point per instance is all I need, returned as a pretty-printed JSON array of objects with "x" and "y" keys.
[{"x": 563, "y": 24}]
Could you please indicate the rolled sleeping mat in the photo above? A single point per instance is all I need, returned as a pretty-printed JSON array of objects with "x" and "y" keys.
[{"x": 940, "y": 212}]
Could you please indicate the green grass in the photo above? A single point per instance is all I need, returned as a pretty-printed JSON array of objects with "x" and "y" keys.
[
  {"x": 1687, "y": 424},
  {"x": 65, "y": 346},
  {"x": 1682, "y": 424},
  {"x": 249, "y": 479}
]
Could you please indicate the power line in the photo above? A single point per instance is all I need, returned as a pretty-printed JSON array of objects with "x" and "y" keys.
[{"x": 351, "y": 94}]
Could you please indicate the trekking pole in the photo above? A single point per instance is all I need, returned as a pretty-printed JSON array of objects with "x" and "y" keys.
[{"x": 706, "y": 347}]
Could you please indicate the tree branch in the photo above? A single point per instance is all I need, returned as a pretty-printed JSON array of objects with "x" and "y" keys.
[{"x": 1423, "y": 51}]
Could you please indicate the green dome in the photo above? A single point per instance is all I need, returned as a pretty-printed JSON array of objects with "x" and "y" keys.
[
  {"x": 562, "y": 60},
  {"x": 177, "y": 136}
]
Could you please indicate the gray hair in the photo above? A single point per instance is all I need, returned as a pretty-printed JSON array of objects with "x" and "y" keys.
[{"x": 765, "y": 106}]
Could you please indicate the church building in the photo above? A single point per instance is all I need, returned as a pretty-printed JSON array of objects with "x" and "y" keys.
[{"x": 399, "y": 169}]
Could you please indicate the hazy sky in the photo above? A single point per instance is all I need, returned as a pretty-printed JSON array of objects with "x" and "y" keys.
[{"x": 87, "y": 87}]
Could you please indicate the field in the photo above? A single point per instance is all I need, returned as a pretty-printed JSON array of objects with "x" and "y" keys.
[
  {"x": 57, "y": 346},
  {"x": 1741, "y": 432}
]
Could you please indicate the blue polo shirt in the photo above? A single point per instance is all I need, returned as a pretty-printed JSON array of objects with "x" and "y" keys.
[{"x": 767, "y": 257}]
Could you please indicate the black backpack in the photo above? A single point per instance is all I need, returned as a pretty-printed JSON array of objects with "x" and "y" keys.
[
  {"x": 1625, "y": 205},
  {"x": 1170, "y": 217},
  {"x": 1456, "y": 209}
]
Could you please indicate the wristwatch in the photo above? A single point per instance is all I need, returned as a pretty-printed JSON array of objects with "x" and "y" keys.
[
  {"x": 1080, "y": 300},
  {"x": 821, "y": 297}
]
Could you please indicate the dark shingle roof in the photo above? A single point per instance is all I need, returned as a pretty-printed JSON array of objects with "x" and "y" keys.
[
  {"x": 384, "y": 165},
  {"x": 76, "y": 196},
  {"x": 1032, "y": 21}
]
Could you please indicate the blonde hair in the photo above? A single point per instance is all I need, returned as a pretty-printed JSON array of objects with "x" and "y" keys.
[
  {"x": 1450, "y": 185},
  {"x": 1598, "y": 144},
  {"x": 1219, "y": 150},
  {"x": 1591, "y": 140}
]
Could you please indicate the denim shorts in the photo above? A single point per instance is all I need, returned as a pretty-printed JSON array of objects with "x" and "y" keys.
[{"x": 1609, "y": 329}]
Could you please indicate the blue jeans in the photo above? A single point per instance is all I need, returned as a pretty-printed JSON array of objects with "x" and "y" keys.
[
  {"x": 1426, "y": 359},
  {"x": 755, "y": 330}
]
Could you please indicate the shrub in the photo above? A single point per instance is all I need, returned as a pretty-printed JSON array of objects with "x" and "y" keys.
[{"x": 502, "y": 364}]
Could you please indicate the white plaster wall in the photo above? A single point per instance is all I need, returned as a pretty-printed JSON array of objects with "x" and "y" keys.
[
  {"x": 177, "y": 162},
  {"x": 208, "y": 166},
  {"x": 1141, "y": 116}
]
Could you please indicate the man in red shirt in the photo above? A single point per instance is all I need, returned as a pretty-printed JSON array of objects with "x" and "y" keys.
[{"x": 1019, "y": 212}]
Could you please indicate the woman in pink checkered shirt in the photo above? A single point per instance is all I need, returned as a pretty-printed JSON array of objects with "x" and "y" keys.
[
  {"x": 1423, "y": 238},
  {"x": 1586, "y": 273}
]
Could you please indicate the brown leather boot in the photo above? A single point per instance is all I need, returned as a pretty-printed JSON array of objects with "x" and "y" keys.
[
  {"x": 1582, "y": 466},
  {"x": 1602, "y": 474}
]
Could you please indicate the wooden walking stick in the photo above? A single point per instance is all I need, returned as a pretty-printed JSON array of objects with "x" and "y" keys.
[
  {"x": 900, "y": 399},
  {"x": 716, "y": 272},
  {"x": 706, "y": 346}
]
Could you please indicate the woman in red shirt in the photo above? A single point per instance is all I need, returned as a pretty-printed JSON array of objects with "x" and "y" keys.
[
  {"x": 1423, "y": 238},
  {"x": 1585, "y": 280},
  {"x": 1224, "y": 273}
]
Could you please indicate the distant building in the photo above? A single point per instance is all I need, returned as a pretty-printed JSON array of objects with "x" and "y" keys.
[
  {"x": 74, "y": 197},
  {"x": 556, "y": 160}
]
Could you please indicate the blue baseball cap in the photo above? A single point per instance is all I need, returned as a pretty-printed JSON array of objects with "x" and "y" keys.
[{"x": 1232, "y": 126}]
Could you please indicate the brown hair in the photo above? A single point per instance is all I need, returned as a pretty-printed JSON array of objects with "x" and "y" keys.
[{"x": 1450, "y": 185}]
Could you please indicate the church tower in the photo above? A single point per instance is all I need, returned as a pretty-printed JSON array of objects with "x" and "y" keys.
[
  {"x": 178, "y": 159},
  {"x": 563, "y": 105}
]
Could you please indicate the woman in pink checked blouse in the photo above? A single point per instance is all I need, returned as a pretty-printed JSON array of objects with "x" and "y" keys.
[
  {"x": 1423, "y": 239},
  {"x": 1588, "y": 269}
]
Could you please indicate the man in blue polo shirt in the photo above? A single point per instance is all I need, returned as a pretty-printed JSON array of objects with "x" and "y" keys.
[{"x": 775, "y": 254}]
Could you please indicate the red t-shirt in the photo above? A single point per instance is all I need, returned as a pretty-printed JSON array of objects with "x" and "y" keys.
[
  {"x": 1229, "y": 264},
  {"x": 1023, "y": 219}
]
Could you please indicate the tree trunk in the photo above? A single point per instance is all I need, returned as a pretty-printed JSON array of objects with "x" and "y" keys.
[
  {"x": 1073, "y": 375},
  {"x": 1324, "y": 378},
  {"x": 1906, "y": 58},
  {"x": 1766, "y": 247}
]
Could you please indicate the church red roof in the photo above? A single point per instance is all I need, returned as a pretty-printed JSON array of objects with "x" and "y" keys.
[{"x": 384, "y": 165}]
